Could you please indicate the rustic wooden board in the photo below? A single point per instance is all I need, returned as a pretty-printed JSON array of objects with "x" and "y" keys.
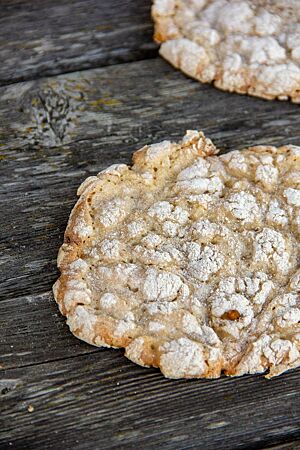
[
  {"x": 48, "y": 37},
  {"x": 133, "y": 103},
  {"x": 101, "y": 400},
  {"x": 289, "y": 446},
  {"x": 53, "y": 133},
  {"x": 33, "y": 331}
]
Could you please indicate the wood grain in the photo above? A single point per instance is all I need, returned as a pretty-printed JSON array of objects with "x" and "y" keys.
[
  {"x": 289, "y": 446},
  {"x": 101, "y": 400},
  {"x": 49, "y": 37},
  {"x": 129, "y": 103},
  {"x": 33, "y": 331}
]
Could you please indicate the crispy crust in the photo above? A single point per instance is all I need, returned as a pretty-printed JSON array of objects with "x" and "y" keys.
[
  {"x": 157, "y": 162},
  {"x": 248, "y": 56}
]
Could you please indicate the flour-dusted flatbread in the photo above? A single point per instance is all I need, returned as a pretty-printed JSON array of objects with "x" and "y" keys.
[
  {"x": 250, "y": 47},
  {"x": 189, "y": 260}
]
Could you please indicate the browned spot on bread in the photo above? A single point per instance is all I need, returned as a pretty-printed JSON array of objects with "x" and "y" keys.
[{"x": 233, "y": 314}]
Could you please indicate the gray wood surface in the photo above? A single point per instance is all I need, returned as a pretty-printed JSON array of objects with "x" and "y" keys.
[
  {"x": 288, "y": 446},
  {"x": 48, "y": 37},
  {"x": 54, "y": 132},
  {"x": 102, "y": 400}
]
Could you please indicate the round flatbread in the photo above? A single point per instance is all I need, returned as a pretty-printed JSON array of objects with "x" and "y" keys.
[
  {"x": 189, "y": 260},
  {"x": 249, "y": 47}
]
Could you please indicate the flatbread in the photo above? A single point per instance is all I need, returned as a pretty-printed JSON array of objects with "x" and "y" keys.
[
  {"x": 249, "y": 47},
  {"x": 189, "y": 260}
]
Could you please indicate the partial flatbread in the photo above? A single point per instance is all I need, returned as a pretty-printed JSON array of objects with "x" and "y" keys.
[{"x": 249, "y": 47}]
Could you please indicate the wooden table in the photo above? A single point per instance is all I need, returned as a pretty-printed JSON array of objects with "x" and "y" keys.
[{"x": 82, "y": 87}]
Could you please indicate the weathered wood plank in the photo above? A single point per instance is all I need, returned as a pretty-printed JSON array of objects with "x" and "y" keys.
[
  {"x": 115, "y": 111},
  {"x": 58, "y": 36},
  {"x": 289, "y": 446},
  {"x": 102, "y": 400},
  {"x": 127, "y": 102},
  {"x": 33, "y": 331}
]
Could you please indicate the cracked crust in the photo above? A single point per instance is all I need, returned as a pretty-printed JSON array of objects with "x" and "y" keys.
[
  {"x": 249, "y": 47},
  {"x": 189, "y": 260}
]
